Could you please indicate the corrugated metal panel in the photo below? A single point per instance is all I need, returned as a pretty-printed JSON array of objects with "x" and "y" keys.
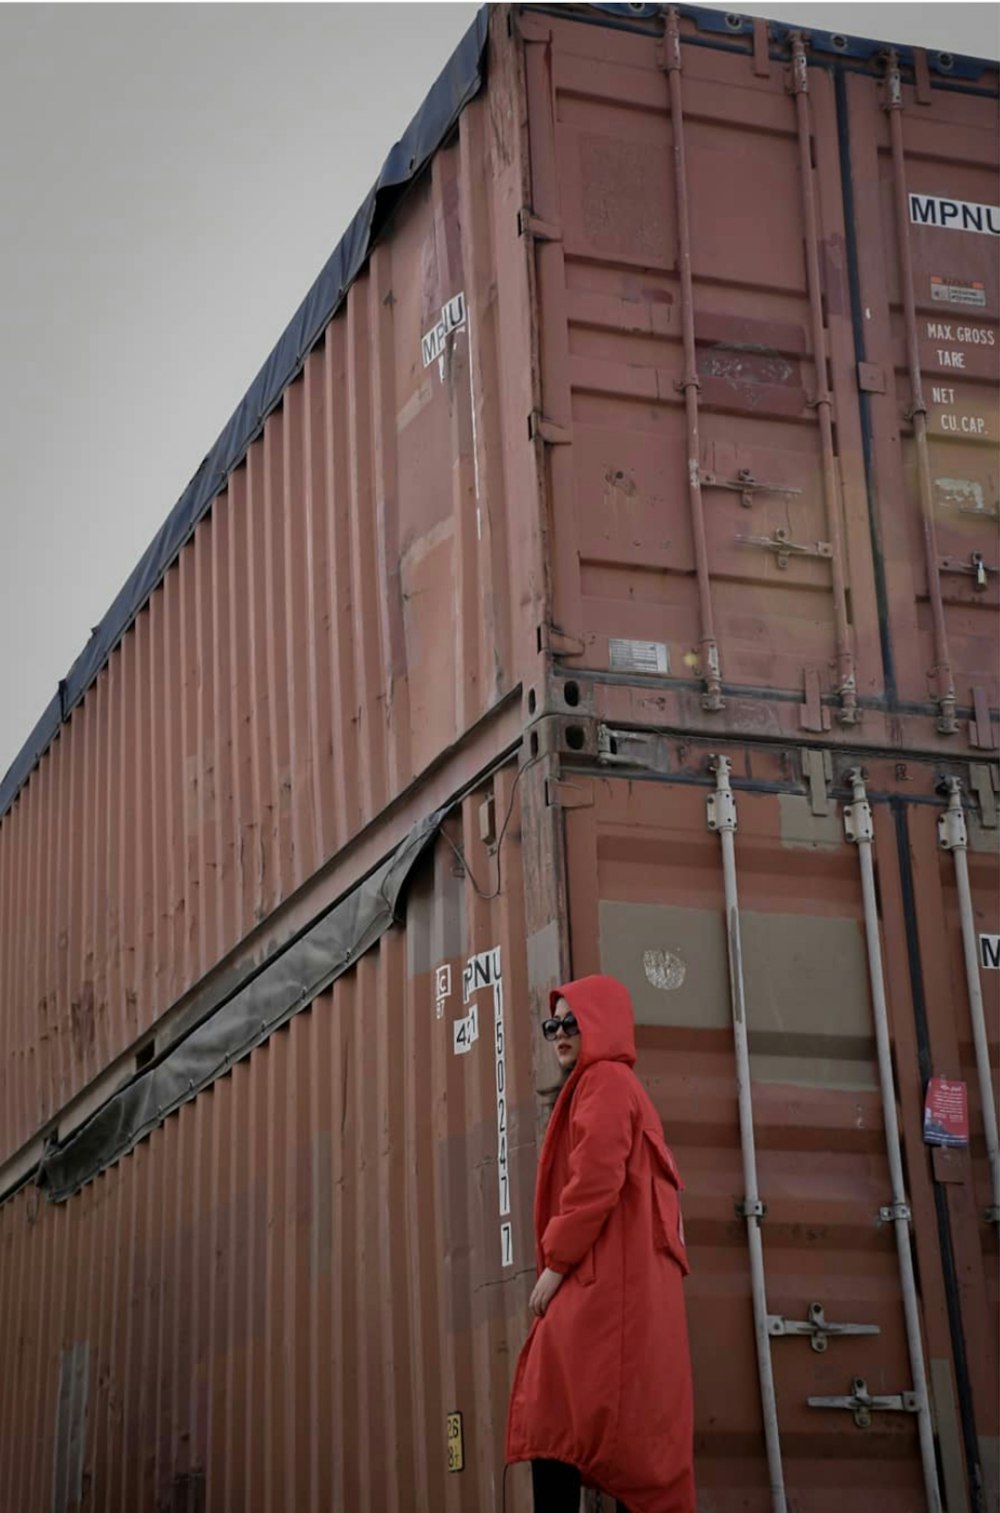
[
  {"x": 617, "y": 369},
  {"x": 947, "y": 150},
  {"x": 458, "y": 83},
  {"x": 277, "y": 1299},
  {"x": 346, "y": 612},
  {"x": 703, "y": 342},
  {"x": 283, "y": 1292}
]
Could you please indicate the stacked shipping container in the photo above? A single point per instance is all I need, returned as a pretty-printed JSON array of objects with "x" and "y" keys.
[{"x": 653, "y": 450}]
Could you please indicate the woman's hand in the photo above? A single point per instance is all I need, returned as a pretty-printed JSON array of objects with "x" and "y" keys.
[{"x": 546, "y": 1287}]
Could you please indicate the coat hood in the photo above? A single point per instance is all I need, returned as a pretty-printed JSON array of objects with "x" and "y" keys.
[{"x": 603, "y": 1010}]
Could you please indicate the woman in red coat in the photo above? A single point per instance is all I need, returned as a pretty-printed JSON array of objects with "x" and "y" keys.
[{"x": 602, "y": 1391}]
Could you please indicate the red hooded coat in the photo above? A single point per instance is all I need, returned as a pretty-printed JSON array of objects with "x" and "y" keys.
[{"x": 604, "y": 1380}]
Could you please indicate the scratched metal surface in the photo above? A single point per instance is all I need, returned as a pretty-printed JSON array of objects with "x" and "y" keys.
[
  {"x": 614, "y": 372},
  {"x": 348, "y": 610},
  {"x": 281, "y": 1295},
  {"x": 950, "y": 149},
  {"x": 646, "y": 904}
]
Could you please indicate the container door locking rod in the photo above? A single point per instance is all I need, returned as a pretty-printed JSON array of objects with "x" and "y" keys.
[
  {"x": 953, "y": 837},
  {"x": 860, "y": 831},
  {"x": 847, "y": 684},
  {"x": 721, "y": 816},
  {"x": 690, "y": 385},
  {"x": 941, "y": 674}
]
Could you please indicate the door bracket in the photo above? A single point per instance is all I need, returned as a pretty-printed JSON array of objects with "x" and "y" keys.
[
  {"x": 746, "y": 485},
  {"x": 982, "y": 781},
  {"x": 817, "y": 1327},
  {"x": 784, "y": 547},
  {"x": 975, "y": 568},
  {"x": 862, "y": 1404}
]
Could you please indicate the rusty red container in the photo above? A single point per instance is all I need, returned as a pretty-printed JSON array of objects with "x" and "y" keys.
[{"x": 657, "y": 423}]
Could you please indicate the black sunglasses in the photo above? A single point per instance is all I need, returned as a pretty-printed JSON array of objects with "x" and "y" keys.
[{"x": 551, "y": 1027}]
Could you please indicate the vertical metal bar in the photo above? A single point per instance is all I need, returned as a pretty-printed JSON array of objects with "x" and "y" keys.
[
  {"x": 722, "y": 819},
  {"x": 860, "y": 831},
  {"x": 846, "y": 677},
  {"x": 943, "y": 677},
  {"x": 690, "y": 385},
  {"x": 953, "y": 837}
]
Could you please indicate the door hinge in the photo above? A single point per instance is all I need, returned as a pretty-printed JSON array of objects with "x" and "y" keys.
[
  {"x": 564, "y": 793},
  {"x": 529, "y": 224},
  {"x": 983, "y": 782},
  {"x": 559, "y": 642},
  {"x": 531, "y": 28},
  {"x": 761, "y": 58},
  {"x": 817, "y": 1327},
  {"x": 981, "y": 728},
  {"x": 540, "y": 428},
  {"x": 862, "y": 1404}
]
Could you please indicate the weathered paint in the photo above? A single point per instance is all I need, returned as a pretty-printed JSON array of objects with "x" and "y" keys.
[
  {"x": 279, "y": 1298},
  {"x": 275, "y": 1300},
  {"x": 396, "y": 549},
  {"x": 357, "y": 599},
  {"x": 284, "y": 1292},
  {"x": 633, "y": 850}
]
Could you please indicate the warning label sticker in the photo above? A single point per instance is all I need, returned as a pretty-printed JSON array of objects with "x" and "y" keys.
[{"x": 946, "y": 291}]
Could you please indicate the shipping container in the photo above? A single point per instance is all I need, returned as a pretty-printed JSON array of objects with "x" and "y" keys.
[
  {"x": 600, "y": 575},
  {"x": 281, "y": 1296}
]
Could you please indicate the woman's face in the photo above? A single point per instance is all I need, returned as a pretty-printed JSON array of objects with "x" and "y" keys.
[{"x": 567, "y": 1046}]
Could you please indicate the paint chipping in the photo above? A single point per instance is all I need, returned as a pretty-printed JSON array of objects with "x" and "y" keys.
[{"x": 664, "y": 970}]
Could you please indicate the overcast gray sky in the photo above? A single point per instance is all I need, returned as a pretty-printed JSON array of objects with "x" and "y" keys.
[{"x": 172, "y": 178}]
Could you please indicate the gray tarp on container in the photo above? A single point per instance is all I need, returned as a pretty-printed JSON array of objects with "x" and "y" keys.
[{"x": 287, "y": 984}]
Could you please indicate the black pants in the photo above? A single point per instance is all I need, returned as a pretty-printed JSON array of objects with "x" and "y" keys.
[{"x": 557, "y": 1487}]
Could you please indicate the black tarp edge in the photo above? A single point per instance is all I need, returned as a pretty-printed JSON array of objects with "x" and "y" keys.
[
  {"x": 288, "y": 984},
  {"x": 458, "y": 83}
]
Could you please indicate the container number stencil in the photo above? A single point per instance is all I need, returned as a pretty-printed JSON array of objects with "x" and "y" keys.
[{"x": 484, "y": 971}]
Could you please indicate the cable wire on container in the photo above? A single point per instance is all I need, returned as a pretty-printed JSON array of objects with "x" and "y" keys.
[{"x": 460, "y": 855}]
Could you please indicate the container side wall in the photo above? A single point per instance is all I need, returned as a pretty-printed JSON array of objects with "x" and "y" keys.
[
  {"x": 279, "y": 1297},
  {"x": 358, "y": 597}
]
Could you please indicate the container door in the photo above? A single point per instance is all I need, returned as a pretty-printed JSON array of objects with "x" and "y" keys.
[
  {"x": 746, "y": 425},
  {"x": 924, "y": 180},
  {"x": 962, "y": 1187},
  {"x": 646, "y": 905}
]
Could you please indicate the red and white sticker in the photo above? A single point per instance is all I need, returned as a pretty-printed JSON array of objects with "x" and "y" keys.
[
  {"x": 949, "y": 291},
  {"x": 946, "y": 1113}
]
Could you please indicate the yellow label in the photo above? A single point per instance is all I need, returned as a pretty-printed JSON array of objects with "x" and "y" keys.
[{"x": 456, "y": 1445}]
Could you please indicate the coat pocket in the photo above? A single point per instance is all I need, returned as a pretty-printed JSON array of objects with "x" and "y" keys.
[{"x": 665, "y": 1182}]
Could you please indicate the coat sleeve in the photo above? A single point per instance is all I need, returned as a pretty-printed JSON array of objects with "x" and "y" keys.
[{"x": 601, "y": 1129}]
